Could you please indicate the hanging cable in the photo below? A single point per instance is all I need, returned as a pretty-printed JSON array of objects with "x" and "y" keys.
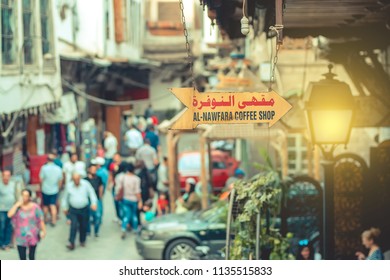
[{"x": 108, "y": 102}]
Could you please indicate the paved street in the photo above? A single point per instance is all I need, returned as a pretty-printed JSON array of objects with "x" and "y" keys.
[{"x": 109, "y": 246}]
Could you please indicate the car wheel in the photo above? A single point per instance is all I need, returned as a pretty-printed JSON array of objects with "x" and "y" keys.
[{"x": 181, "y": 249}]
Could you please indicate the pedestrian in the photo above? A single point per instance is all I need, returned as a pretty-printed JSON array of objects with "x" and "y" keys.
[
  {"x": 305, "y": 250},
  {"x": 149, "y": 156},
  {"x": 370, "y": 240},
  {"x": 163, "y": 177},
  {"x": 79, "y": 194},
  {"x": 110, "y": 146},
  {"x": 146, "y": 182},
  {"x": 190, "y": 200},
  {"x": 162, "y": 204},
  {"x": 29, "y": 226},
  {"x": 154, "y": 139},
  {"x": 229, "y": 185},
  {"x": 100, "y": 151},
  {"x": 73, "y": 166},
  {"x": 9, "y": 194},
  {"x": 57, "y": 159},
  {"x": 148, "y": 212},
  {"x": 102, "y": 171},
  {"x": 97, "y": 184},
  {"x": 129, "y": 191},
  {"x": 149, "y": 112},
  {"x": 115, "y": 169},
  {"x": 51, "y": 181},
  {"x": 133, "y": 138}
]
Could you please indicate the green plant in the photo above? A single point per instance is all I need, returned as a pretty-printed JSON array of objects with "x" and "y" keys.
[{"x": 261, "y": 193}]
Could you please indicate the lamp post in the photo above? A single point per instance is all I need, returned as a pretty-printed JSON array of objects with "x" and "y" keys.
[{"x": 329, "y": 112}]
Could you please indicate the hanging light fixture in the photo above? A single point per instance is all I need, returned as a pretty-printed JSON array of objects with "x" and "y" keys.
[{"x": 244, "y": 20}]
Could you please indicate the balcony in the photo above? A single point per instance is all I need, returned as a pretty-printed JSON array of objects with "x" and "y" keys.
[{"x": 164, "y": 42}]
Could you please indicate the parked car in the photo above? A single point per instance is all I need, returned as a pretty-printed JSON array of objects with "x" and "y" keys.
[
  {"x": 176, "y": 236},
  {"x": 223, "y": 166}
]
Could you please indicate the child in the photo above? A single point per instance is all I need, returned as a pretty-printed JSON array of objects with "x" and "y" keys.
[
  {"x": 162, "y": 204},
  {"x": 100, "y": 151},
  {"x": 148, "y": 214}
]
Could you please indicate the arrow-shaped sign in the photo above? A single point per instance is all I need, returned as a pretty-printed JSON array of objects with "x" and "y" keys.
[{"x": 229, "y": 107}]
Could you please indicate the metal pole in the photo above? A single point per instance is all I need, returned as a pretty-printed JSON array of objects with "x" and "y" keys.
[
  {"x": 258, "y": 228},
  {"x": 203, "y": 173},
  {"x": 229, "y": 224},
  {"x": 328, "y": 211}
]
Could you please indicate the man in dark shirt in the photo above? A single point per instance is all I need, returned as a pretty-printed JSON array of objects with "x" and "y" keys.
[
  {"x": 97, "y": 184},
  {"x": 153, "y": 138}
]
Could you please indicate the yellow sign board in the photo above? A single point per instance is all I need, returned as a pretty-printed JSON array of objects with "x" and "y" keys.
[{"x": 229, "y": 107}]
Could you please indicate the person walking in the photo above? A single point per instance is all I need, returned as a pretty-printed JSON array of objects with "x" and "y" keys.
[
  {"x": 149, "y": 156},
  {"x": 51, "y": 182},
  {"x": 29, "y": 226},
  {"x": 79, "y": 194},
  {"x": 149, "y": 112},
  {"x": 73, "y": 166},
  {"x": 154, "y": 139},
  {"x": 116, "y": 167},
  {"x": 163, "y": 177},
  {"x": 97, "y": 184},
  {"x": 146, "y": 181},
  {"x": 9, "y": 194},
  {"x": 110, "y": 145},
  {"x": 101, "y": 171},
  {"x": 129, "y": 191},
  {"x": 133, "y": 138}
]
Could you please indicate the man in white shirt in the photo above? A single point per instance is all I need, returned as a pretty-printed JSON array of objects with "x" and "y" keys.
[
  {"x": 110, "y": 146},
  {"x": 79, "y": 194},
  {"x": 74, "y": 166},
  {"x": 133, "y": 139},
  {"x": 51, "y": 181}
]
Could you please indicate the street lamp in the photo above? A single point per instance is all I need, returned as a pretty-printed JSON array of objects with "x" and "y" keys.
[{"x": 329, "y": 112}]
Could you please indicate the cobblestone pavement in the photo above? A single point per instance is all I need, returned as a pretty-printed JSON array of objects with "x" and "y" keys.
[{"x": 108, "y": 246}]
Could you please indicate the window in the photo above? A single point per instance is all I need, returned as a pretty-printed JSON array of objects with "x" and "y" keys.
[
  {"x": 28, "y": 31},
  {"x": 299, "y": 157},
  {"x": 219, "y": 165},
  {"x": 134, "y": 23},
  {"x": 8, "y": 34},
  {"x": 46, "y": 29}
]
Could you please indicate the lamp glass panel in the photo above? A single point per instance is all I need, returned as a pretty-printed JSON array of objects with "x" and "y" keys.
[{"x": 331, "y": 126}]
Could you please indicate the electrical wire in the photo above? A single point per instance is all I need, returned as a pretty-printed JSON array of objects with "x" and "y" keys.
[
  {"x": 108, "y": 102},
  {"x": 244, "y": 8}
]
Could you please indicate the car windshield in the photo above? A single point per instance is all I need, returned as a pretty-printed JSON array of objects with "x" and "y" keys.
[
  {"x": 189, "y": 162},
  {"x": 192, "y": 162}
]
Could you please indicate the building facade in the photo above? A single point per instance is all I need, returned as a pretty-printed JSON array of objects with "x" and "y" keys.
[{"x": 29, "y": 77}]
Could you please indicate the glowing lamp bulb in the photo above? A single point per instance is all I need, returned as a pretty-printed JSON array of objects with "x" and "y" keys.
[{"x": 245, "y": 26}]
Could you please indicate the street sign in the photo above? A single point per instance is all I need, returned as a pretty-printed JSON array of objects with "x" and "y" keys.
[{"x": 229, "y": 107}]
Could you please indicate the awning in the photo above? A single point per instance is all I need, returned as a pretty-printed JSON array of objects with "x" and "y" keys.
[{"x": 64, "y": 114}]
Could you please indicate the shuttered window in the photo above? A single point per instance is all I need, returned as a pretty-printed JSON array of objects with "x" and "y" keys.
[{"x": 8, "y": 32}]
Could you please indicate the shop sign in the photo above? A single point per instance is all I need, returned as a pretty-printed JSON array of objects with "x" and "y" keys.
[{"x": 229, "y": 107}]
